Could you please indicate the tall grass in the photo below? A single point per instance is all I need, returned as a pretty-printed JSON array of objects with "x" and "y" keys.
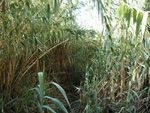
[
  {"x": 42, "y": 98},
  {"x": 43, "y": 36},
  {"x": 119, "y": 72},
  {"x": 36, "y": 36}
]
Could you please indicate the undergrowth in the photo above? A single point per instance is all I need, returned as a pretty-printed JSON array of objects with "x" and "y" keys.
[{"x": 105, "y": 72}]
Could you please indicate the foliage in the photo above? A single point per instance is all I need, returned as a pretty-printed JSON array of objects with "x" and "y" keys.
[
  {"x": 133, "y": 16},
  {"x": 147, "y": 5},
  {"x": 122, "y": 64},
  {"x": 30, "y": 31},
  {"x": 42, "y": 98},
  {"x": 112, "y": 66}
]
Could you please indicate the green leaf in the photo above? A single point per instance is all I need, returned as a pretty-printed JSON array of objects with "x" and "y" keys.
[
  {"x": 48, "y": 108},
  {"x": 138, "y": 22},
  {"x": 41, "y": 82},
  {"x": 48, "y": 11},
  {"x": 62, "y": 91},
  {"x": 136, "y": 94},
  {"x": 128, "y": 15},
  {"x": 38, "y": 91},
  {"x": 125, "y": 12},
  {"x": 57, "y": 102},
  {"x": 120, "y": 10},
  {"x": 134, "y": 15},
  {"x": 56, "y": 6}
]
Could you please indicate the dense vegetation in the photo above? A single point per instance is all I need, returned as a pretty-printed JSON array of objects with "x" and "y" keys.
[{"x": 48, "y": 63}]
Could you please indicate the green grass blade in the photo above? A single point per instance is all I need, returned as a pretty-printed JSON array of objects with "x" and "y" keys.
[
  {"x": 62, "y": 91},
  {"x": 57, "y": 102},
  {"x": 38, "y": 92},
  {"x": 41, "y": 82},
  {"x": 48, "y": 108}
]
